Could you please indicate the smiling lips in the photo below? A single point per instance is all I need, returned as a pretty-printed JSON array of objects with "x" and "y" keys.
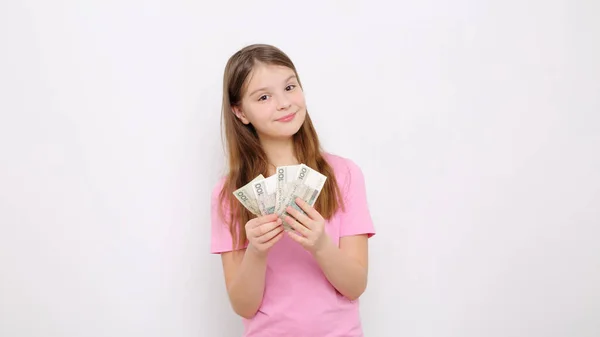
[{"x": 287, "y": 118}]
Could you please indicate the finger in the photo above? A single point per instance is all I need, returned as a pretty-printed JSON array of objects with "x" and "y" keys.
[
  {"x": 269, "y": 236},
  {"x": 308, "y": 209},
  {"x": 264, "y": 219},
  {"x": 297, "y": 226},
  {"x": 265, "y": 228},
  {"x": 275, "y": 238},
  {"x": 301, "y": 217},
  {"x": 294, "y": 236}
]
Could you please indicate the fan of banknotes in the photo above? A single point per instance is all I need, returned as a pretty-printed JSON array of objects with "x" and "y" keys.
[{"x": 263, "y": 196}]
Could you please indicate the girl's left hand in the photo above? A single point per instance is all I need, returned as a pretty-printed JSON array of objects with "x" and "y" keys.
[{"x": 310, "y": 227}]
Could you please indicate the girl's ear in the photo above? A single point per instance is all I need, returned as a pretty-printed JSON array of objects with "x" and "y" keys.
[{"x": 240, "y": 114}]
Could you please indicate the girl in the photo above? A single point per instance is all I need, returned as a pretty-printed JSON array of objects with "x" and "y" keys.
[{"x": 287, "y": 283}]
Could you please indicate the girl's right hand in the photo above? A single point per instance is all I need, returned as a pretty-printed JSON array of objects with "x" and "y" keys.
[{"x": 263, "y": 232}]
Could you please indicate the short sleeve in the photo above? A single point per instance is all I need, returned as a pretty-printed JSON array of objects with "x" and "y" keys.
[
  {"x": 356, "y": 217},
  {"x": 221, "y": 239}
]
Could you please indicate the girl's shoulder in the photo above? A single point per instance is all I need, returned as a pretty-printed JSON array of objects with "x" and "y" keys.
[
  {"x": 336, "y": 161},
  {"x": 218, "y": 186},
  {"x": 355, "y": 217},
  {"x": 343, "y": 167},
  {"x": 216, "y": 193}
]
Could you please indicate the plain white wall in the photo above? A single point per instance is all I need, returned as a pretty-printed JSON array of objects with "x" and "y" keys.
[{"x": 476, "y": 124}]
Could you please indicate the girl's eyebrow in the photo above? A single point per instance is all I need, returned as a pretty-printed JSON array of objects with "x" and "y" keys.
[{"x": 265, "y": 88}]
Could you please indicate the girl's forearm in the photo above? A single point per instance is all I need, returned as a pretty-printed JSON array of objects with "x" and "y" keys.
[
  {"x": 346, "y": 274},
  {"x": 247, "y": 289}
]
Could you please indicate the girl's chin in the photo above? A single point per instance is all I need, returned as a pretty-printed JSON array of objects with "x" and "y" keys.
[
  {"x": 279, "y": 136},
  {"x": 282, "y": 131}
]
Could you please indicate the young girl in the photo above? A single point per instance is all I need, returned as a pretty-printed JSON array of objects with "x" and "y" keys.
[{"x": 301, "y": 282}]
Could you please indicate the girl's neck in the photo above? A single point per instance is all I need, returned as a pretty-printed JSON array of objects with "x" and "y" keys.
[{"x": 279, "y": 152}]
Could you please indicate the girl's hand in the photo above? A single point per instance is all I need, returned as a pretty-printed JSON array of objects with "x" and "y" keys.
[
  {"x": 310, "y": 227},
  {"x": 263, "y": 232}
]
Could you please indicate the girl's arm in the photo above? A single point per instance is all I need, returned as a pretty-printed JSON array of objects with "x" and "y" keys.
[
  {"x": 245, "y": 280},
  {"x": 345, "y": 267},
  {"x": 245, "y": 269}
]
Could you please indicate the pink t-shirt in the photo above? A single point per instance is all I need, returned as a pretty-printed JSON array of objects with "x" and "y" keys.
[{"x": 298, "y": 299}]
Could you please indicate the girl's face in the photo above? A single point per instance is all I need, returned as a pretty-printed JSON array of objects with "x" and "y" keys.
[{"x": 273, "y": 102}]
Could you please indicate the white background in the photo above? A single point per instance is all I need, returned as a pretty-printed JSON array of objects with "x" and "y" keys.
[{"x": 476, "y": 124}]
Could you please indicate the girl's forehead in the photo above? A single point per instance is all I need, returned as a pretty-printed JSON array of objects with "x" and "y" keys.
[
  {"x": 269, "y": 72},
  {"x": 265, "y": 76}
]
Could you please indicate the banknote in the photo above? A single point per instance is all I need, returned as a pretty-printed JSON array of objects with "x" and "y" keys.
[
  {"x": 265, "y": 191},
  {"x": 263, "y": 196},
  {"x": 286, "y": 175},
  {"x": 307, "y": 186},
  {"x": 245, "y": 195}
]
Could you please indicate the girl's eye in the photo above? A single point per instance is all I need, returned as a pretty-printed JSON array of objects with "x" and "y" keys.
[
  {"x": 262, "y": 98},
  {"x": 290, "y": 87}
]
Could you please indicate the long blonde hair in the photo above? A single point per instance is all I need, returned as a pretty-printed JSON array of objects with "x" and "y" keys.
[{"x": 246, "y": 157}]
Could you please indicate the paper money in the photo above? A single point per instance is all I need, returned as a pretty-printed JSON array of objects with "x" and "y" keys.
[
  {"x": 270, "y": 195},
  {"x": 285, "y": 177},
  {"x": 307, "y": 186},
  {"x": 265, "y": 191},
  {"x": 245, "y": 195}
]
